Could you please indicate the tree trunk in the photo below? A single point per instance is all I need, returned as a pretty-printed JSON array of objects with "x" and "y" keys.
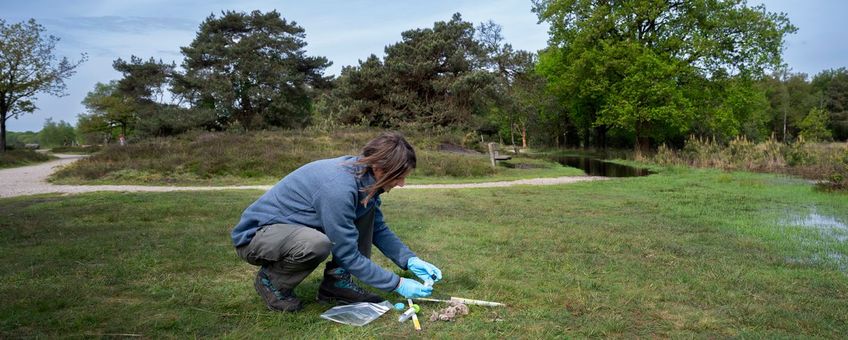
[
  {"x": 643, "y": 145},
  {"x": 637, "y": 148},
  {"x": 511, "y": 132},
  {"x": 601, "y": 136},
  {"x": 3, "y": 134},
  {"x": 524, "y": 136},
  {"x": 246, "y": 113}
]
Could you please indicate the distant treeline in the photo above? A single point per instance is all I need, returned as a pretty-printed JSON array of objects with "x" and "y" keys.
[
  {"x": 52, "y": 134},
  {"x": 619, "y": 74}
]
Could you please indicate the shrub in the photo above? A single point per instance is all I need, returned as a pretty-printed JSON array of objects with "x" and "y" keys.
[
  {"x": 76, "y": 149},
  {"x": 666, "y": 156},
  {"x": 440, "y": 164}
]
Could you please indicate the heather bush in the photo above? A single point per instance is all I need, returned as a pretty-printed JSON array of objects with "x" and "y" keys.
[
  {"x": 76, "y": 149},
  {"x": 14, "y": 157},
  {"x": 440, "y": 164},
  {"x": 262, "y": 155}
]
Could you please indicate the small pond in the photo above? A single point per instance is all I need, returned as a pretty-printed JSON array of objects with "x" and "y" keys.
[{"x": 597, "y": 167}]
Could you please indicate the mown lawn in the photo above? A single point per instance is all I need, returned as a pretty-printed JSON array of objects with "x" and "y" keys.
[{"x": 684, "y": 253}]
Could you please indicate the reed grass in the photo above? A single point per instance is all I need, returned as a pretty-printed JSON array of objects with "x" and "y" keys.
[{"x": 826, "y": 163}]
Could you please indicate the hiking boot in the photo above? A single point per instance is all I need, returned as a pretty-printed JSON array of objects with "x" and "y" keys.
[
  {"x": 338, "y": 287},
  {"x": 275, "y": 299}
]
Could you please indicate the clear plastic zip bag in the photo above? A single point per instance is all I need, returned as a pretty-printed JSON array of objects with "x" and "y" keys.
[{"x": 357, "y": 314}]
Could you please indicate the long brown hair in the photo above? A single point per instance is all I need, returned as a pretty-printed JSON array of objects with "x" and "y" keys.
[{"x": 391, "y": 154}]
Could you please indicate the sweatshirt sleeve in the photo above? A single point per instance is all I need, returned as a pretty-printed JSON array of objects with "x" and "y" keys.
[
  {"x": 388, "y": 243},
  {"x": 336, "y": 205}
]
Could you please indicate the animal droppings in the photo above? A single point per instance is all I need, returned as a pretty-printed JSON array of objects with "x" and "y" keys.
[{"x": 450, "y": 313}]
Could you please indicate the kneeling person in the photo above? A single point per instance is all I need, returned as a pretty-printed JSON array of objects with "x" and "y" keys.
[{"x": 332, "y": 206}]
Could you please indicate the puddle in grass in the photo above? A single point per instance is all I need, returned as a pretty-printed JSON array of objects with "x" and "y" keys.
[
  {"x": 597, "y": 167},
  {"x": 837, "y": 259},
  {"x": 830, "y": 228},
  {"x": 826, "y": 225}
]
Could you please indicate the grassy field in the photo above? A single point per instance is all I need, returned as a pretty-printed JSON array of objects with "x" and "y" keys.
[
  {"x": 684, "y": 253},
  {"x": 16, "y": 158}
]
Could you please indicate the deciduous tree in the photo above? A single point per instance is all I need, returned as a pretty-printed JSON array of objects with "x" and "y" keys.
[
  {"x": 814, "y": 126},
  {"x": 626, "y": 64},
  {"x": 28, "y": 66},
  {"x": 111, "y": 107},
  {"x": 57, "y": 134},
  {"x": 518, "y": 96}
]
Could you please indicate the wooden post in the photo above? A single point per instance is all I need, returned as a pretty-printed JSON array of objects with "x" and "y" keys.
[{"x": 492, "y": 154}]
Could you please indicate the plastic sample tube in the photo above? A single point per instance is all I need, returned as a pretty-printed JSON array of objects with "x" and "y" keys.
[{"x": 407, "y": 314}]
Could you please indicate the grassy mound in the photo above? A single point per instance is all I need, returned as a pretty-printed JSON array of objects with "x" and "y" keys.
[{"x": 221, "y": 158}]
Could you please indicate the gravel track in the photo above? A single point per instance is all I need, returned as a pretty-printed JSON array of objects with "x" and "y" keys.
[{"x": 32, "y": 180}]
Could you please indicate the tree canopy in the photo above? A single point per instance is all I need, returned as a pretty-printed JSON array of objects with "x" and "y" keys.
[
  {"x": 432, "y": 77},
  {"x": 831, "y": 88},
  {"x": 251, "y": 69},
  {"x": 638, "y": 72},
  {"x": 108, "y": 109},
  {"x": 637, "y": 66},
  {"x": 54, "y": 134},
  {"x": 28, "y": 66}
]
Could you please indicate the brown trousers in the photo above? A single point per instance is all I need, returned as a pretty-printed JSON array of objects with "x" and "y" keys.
[{"x": 289, "y": 252}]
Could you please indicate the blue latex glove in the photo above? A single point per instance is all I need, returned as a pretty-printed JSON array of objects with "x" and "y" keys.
[
  {"x": 412, "y": 289},
  {"x": 424, "y": 270}
]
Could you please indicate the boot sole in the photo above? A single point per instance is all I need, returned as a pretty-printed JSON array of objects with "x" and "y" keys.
[
  {"x": 283, "y": 310},
  {"x": 327, "y": 300},
  {"x": 257, "y": 285},
  {"x": 323, "y": 299}
]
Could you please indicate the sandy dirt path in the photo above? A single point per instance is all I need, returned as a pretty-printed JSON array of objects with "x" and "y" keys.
[{"x": 31, "y": 180}]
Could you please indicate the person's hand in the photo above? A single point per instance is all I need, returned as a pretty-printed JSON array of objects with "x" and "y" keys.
[
  {"x": 412, "y": 289},
  {"x": 424, "y": 270}
]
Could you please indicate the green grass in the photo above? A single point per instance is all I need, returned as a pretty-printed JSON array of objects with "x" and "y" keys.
[
  {"x": 684, "y": 253},
  {"x": 16, "y": 158}
]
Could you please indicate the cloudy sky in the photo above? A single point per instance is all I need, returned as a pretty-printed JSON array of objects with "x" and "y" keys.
[{"x": 343, "y": 31}]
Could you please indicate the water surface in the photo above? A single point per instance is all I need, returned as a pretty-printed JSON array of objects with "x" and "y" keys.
[
  {"x": 825, "y": 224},
  {"x": 596, "y": 167}
]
